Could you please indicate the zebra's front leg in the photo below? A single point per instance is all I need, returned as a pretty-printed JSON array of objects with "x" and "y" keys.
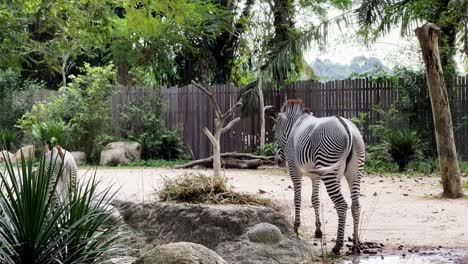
[
  {"x": 333, "y": 186},
  {"x": 316, "y": 204},
  {"x": 296, "y": 180}
]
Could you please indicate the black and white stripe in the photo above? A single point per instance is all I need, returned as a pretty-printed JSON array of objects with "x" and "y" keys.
[
  {"x": 323, "y": 149},
  {"x": 68, "y": 180}
]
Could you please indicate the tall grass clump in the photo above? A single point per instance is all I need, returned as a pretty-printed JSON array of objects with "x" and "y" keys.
[
  {"x": 199, "y": 188},
  {"x": 36, "y": 230}
]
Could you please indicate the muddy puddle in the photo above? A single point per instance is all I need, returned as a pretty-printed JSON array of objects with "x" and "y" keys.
[{"x": 426, "y": 257}]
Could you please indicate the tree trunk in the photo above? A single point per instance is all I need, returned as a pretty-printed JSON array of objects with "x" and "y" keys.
[
  {"x": 261, "y": 107},
  {"x": 428, "y": 39},
  {"x": 217, "y": 151},
  {"x": 122, "y": 72},
  {"x": 63, "y": 69}
]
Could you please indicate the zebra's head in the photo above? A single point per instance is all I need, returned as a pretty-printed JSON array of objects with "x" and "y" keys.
[{"x": 284, "y": 120}]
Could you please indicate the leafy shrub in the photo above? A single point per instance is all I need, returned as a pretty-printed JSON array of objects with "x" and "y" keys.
[
  {"x": 199, "y": 188},
  {"x": 40, "y": 231},
  {"x": 142, "y": 121},
  {"x": 83, "y": 106},
  {"x": 426, "y": 167},
  {"x": 269, "y": 149},
  {"x": 8, "y": 139},
  {"x": 404, "y": 146},
  {"x": 53, "y": 132}
]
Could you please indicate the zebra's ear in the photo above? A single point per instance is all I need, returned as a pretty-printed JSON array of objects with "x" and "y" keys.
[{"x": 271, "y": 112}]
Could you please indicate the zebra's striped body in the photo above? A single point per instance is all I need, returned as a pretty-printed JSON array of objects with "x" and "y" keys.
[
  {"x": 60, "y": 158},
  {"x": 324, "y": 149}
]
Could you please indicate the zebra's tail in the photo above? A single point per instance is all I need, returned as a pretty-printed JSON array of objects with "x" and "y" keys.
[{"x": 323, "y": 170}]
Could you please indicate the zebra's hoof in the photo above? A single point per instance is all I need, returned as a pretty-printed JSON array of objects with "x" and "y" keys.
[
  {"x": 336, "y": 251},
  {"x": 356, "y": 250},
  {"x": 318, "y": 234},
  {"x": 296, "y": 229}
]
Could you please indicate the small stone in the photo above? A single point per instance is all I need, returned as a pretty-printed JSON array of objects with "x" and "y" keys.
[
  {"x": 381, "y": 181},
  {"x": 375, "y": 194},
  {"x": 260, "y": 191},
  {"x": 405, "y": 194},
  {"x": 265, "y": 233}
]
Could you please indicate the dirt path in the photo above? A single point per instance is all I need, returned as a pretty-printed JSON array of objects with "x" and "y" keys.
[{"x": 396, "y": 211}]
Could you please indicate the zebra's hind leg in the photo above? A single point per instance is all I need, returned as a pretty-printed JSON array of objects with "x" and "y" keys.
[
  {"x": 333, "y": 186},
  {"x": 316, "y": 204},
  {"x": 355, "y": 186}
]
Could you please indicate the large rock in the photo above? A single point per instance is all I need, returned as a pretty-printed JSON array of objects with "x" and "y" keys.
[
  {"x": 5, "y": 154},
  {"x": 79, "y": 156},
  {"x": 26, "y": 152},
  {"x": 120, "y": 153},
  {"x": 265, "y": 233},
  {"x": 181, "y": 253},
  {"x": 222, "y": 228}
]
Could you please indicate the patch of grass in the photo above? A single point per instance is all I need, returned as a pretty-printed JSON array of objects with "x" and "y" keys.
[
  {"x": 380, "y": 166},
  {"x": 463, "y": 166},
  {"x": 158, "y": 163},
  {"x": 199, "y": 188},
  {"x": 465, "y": 185},
  {"x": 414, "y": 168}
]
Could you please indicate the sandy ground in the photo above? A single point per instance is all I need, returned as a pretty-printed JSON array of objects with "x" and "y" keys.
[{"x": 395, "y": 210}]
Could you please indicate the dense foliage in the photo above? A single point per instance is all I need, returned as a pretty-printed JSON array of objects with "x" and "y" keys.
[
  {"x": 15, "y": 94},
  {"x": 81, "y": 111},
  {"x": 142, "y": 121}
]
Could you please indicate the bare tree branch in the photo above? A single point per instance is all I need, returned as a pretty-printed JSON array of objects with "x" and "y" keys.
[
  {"x": 230, "y": 124},
  {"x": 211, "y": 96},
  {"x": 232, "y": 109},
  {"x": 209, "y": 135}
]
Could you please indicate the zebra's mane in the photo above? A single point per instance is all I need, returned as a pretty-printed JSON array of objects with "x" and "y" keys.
[{"x": 293, "y": 106}]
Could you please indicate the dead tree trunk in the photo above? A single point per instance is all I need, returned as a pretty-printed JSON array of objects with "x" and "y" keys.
[
  {"x": 219, "y": 128},
  {"x": 261, "y": 107},
  {"x": 428, "y": 39}
]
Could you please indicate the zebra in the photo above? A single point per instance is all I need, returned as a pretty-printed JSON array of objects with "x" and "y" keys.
[
  {"x": 324, "y": 149},
  {"x": 59, "y": 158}
]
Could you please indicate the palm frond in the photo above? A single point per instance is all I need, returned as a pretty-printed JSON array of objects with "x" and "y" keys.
[{"x": 277, "y": 60}]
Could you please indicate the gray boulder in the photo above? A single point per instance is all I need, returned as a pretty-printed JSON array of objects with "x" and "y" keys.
[
  {"x": 265, "y": 233},
  {"x": 5, "y": 154},
  {"x": 222, "y": 228},
  {"x": 181, "y": 253},
  {"x": 120, "y": 153},
  {"x": 26, "y": 152},
  {"x": 79, "y": 156}
]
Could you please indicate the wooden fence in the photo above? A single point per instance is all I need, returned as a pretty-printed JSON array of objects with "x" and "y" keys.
[{"x": 189, "y": 110}]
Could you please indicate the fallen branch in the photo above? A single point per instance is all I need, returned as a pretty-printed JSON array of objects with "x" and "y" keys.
[{"x": 232, "y": 160}]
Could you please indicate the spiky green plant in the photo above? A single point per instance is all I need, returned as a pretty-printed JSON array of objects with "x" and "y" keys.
[
  {"x": 404, "y": 146},
  {"x": 34, "y": 229}
]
